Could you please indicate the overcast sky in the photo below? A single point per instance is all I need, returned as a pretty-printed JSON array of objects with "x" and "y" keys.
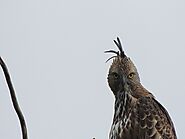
[{"x": 54, "y": 50}]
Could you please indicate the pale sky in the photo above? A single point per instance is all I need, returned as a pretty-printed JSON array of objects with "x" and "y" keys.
[{"x": 54, "y": 50}]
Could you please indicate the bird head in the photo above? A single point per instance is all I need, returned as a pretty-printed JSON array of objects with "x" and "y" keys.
[{"x": 123, "y": 75}]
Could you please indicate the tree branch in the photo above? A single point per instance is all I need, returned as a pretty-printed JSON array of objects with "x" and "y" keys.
[{"x": 14, "y": 100}]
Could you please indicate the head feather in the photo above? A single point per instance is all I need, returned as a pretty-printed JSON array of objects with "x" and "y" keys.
[{"x": 120, "y": 53}]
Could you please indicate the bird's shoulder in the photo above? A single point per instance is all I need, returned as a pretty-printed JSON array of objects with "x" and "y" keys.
[{"x": 153, "y": 119}]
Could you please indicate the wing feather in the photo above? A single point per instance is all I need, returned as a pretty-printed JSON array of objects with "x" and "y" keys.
[{"x": 154, "y": 121}]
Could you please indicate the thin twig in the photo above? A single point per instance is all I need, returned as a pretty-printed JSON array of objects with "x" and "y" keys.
[{"x": 14, "y": 100}]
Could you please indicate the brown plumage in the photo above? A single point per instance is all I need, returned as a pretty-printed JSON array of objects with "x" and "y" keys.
[{"x": 137, "y": 115}]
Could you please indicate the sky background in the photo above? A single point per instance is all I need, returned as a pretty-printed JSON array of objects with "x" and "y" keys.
[{"x": 54, "y": 50}]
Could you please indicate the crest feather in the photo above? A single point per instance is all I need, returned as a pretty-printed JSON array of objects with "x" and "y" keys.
[{"x": 120, "y": 53}]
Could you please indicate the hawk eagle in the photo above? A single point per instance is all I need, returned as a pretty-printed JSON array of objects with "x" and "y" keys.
[{"x": 137, "y": 114}]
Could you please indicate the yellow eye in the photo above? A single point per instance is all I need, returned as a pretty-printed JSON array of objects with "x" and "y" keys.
[
  {"x": 131, "y": 75},
  {"x": 116, "y": 76}
]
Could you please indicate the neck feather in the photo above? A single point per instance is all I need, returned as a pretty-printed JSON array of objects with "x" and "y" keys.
[{"x": 137, "y": 91}]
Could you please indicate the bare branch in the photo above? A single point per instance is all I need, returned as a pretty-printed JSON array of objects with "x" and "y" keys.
[{"x": 14, "y": 100}]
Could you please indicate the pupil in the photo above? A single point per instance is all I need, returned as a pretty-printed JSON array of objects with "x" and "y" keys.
[{"x": 116, "y": 75}]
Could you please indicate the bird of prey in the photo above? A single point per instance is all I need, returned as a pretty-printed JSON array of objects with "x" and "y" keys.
[{"x": 137, "y": 114}]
